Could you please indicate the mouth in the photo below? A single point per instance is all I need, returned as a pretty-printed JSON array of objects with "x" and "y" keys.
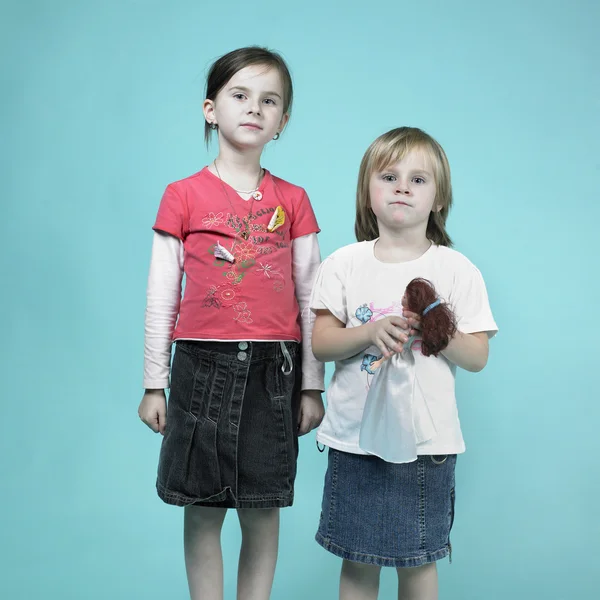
[
  {"x": 399, "y": 203},
  {"x": 252, "y": 126}
]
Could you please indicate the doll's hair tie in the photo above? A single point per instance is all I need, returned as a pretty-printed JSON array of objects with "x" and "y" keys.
[{"x": 432, "y": 306}]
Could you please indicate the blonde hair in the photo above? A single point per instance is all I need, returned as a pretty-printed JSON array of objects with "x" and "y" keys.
[{"x": 388, "y": 149}]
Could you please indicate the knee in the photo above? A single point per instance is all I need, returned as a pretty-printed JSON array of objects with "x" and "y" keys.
[
  {"x": 410, "y": 573},
  {"x": 203, "y": 517},
  {"x": 258, "y": 518},
  {"x": 360, "y": 570}
]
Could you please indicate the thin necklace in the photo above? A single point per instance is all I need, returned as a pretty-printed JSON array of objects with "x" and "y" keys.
[
  {"x": 254, "y": 192},
  {"x": 245, "y": 234}
]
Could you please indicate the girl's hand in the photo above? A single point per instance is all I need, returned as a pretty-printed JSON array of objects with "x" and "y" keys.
[
  {"x": 153, "y": 410},
  {"x": 311, "y": 411},
  {"x": 414, "y": 321},
  {"x": 389, "y": 334}
]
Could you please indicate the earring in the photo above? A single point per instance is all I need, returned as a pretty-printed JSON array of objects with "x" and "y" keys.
[
  {"x": 276, "y": 136},
  {"x": 213, "y": 126}
]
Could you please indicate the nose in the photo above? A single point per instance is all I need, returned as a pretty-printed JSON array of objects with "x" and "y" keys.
[
  {"x": 402, "y": 188},
  {"x": 254, "y": 107}
]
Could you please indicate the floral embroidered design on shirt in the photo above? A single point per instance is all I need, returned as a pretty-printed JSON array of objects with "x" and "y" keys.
[
  {"x": 242, "y": 315},
  {"x": 270, "y": 273},
  {"x": 210, "y": 300},
  {"x": 266, "y": 269},
  {"x": 212, "y": 219},
  {"x": 227, "y": 295},
  {"x": 245, "y": 252}
]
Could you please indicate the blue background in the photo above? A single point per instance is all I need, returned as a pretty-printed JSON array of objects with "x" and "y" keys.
[{"x": 101, "y": 108}]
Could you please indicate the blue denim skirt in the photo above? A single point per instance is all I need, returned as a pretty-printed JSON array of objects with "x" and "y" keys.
[
  {"x": 231, "y": 434},
  {"x": 390, "y": 515}
]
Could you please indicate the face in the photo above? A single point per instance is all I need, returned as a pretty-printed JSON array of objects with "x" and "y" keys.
[
  {"x": 249, "y": 108},
  {"x": 403, "y": 195}
]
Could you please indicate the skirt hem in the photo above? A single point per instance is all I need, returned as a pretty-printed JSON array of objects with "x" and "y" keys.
[
  {"x": 224, "y": 499},
  {"x": 383, "y": 561}
]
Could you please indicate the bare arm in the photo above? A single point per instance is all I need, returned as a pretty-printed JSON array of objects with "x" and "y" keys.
[
  {"x": 332, "y": 340},
  {"x": 468, "y": 350}
]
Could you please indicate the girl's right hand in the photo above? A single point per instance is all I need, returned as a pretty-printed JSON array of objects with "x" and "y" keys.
[
  {"x": 153, "y": 410},
  {"x": 389, "y": 334}
]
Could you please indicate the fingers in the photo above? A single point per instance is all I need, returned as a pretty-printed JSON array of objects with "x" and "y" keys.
[
  {"x": 153, "y": 410},
  {"x": 306, "y": 422},
  {"x": 388, "y": 347},
  {"x": 154, "y": 420},
  {"x": 392, "y": 339},
  {"x": 162, "y": 421},
  {"x": 303, "y": 424},
  {"x": 398, "y": 321},
  {"x": 309, "y": 418},
  {"x": 413, "y": 319}
]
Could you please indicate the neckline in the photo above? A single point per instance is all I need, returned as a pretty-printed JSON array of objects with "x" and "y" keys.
[
  {"x": 425, "y": 254},
  {"x": 233, "y": 191}
]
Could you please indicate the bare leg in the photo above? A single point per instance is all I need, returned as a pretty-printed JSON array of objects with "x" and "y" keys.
[
  {"x": 418, "y": 583},
  {"x": 203, "y": 557},
  {"x": 359, "y": 581},
  {"x": 258, "y": 556}
]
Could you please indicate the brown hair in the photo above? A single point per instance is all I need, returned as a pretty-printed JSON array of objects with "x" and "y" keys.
[
  {"x": 438, "y": 325},
  {"x": 388, "y": 149},
  {"x": 224, "y": 68}
]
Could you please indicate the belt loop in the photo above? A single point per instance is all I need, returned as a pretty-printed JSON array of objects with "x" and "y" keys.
[{"x": 287, "y": 359}]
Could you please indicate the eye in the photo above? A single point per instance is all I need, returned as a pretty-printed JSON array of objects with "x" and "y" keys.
[
  {"x": 418, "y": 180},
  {"x": 239, "y": 96},
  {"x": 389, "y": 177},
  {"x": 270, "y": 101}
]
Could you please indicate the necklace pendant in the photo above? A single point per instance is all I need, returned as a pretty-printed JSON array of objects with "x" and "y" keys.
[
  {"x": 244, "y": 235},
  {"x": 257, "y": 195}
]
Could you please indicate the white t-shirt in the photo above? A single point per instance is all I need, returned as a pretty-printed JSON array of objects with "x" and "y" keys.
[{"x": 357, "y": 288}]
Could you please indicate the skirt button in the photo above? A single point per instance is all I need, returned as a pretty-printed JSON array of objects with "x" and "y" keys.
[
  {"x": 243, "y": 345},
  {"x": 242, "y": 356}
]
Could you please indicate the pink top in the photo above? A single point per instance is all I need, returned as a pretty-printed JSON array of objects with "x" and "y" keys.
[{"x": 252, "y": 298}]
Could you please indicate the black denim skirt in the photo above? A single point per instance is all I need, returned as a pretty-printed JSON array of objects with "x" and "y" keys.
[{"x": 231, "y": 434}]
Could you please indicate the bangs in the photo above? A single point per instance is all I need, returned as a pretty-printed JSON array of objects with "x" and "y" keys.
[{"x": 391, "y": 152}]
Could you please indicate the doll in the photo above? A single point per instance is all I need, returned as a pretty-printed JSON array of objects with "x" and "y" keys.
[{"x": 396, "y": 418}]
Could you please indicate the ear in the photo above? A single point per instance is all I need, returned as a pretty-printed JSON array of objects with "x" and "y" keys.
[
  {"x": 208, "y": 108},
  {"x": 436, "y": 208},
  {"x": 283, "y": 122}
]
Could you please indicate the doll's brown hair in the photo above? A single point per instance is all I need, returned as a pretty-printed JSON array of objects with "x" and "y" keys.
[{"x": 438, "y": 324}]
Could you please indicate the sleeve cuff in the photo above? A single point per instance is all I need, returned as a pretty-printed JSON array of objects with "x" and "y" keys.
[
  {"x": 311, "y": 383},
  {"x": 490, "y": 328},
  {"x": 156, "y": 384}
]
